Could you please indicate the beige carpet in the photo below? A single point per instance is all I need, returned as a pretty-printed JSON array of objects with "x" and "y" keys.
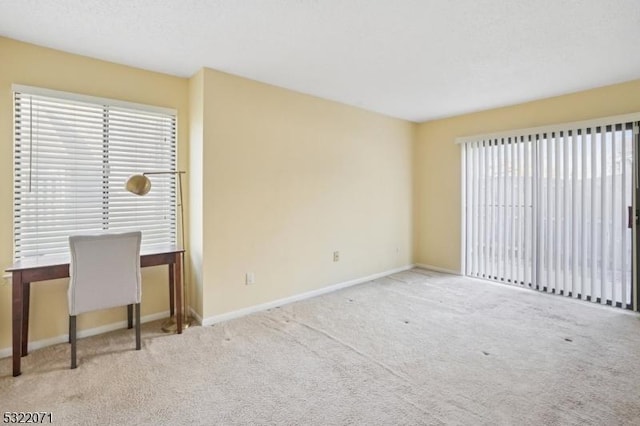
[{"x": 413, "y": 348}]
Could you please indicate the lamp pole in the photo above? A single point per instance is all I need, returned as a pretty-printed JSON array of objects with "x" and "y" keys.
[{"x": 141, "y": 185}]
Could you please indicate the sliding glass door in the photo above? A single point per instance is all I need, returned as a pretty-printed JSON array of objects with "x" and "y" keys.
[{"x": 549, "y": 209}]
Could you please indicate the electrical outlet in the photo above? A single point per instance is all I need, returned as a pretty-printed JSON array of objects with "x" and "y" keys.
[
  {"x": 250, "y": 278},
  {"x": 336, "y": 256}
]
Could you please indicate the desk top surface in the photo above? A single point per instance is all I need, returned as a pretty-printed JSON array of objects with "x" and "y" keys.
[{"x": 60, "y": 260}]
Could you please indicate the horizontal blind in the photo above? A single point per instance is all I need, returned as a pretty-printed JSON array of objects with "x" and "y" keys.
[
  {"x": 548, "y": 210},
  {"x": 71, "y": 161}
]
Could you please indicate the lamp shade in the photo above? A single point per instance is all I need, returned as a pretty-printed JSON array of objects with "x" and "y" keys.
[{"x": 138, "y": 184}]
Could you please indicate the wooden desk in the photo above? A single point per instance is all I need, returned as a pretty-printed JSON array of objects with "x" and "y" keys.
[{"x": 49, "y": 268}]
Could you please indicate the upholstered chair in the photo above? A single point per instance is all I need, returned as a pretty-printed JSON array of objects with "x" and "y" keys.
[{"x": 104, "y": 273}]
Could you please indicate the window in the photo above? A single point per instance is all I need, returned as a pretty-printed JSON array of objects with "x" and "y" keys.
[
  {"x": 547, "y": 208},
  {"x": 72, "y": 157}
]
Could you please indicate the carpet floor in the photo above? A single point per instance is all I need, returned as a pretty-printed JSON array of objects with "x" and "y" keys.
[{"x": 413, "y": 348}]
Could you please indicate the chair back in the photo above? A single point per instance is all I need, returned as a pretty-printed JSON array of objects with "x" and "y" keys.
[{"x": 104, "y": 271}]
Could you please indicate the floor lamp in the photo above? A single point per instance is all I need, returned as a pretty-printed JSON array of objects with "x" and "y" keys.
[{"x": 141, "y": 185}]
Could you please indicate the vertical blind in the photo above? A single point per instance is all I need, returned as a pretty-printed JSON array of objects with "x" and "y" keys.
[
  {"x": 72, "y": 157},
  {"x": 548, "y": 210}
]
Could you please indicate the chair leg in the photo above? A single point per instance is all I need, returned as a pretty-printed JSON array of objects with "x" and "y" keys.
[
  {"x": 129, "y": 316},
  {"x": 72, "y": 337},
  {"x": 138, "y": 344}
]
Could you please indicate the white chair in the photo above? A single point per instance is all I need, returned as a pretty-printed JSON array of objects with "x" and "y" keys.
[{"x": 104, "y": 273}]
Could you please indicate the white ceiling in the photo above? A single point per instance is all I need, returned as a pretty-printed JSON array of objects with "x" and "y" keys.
[{"x": 413, "y": 59}]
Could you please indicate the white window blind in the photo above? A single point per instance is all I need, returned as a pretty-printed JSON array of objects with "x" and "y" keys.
[
  {"x": 72, "y": 157},
  {"x": 548, "y": 209}
]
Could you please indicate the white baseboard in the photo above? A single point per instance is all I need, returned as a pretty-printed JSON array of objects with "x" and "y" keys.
[
  {"x": 5, "y": 352},
  {"x": 438, "y": 269},
  {"x": 38, "y": 344},
  {"x": 298, "y": 297},
  {"x": 195, "y": 315}
]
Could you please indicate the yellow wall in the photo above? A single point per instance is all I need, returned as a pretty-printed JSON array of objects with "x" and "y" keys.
[
  {"x": 437, "y": 159},
  {"x": 288, "y": 179},
  {"x": 27, "y": 64},
  {"x": 196, "y": 196}
]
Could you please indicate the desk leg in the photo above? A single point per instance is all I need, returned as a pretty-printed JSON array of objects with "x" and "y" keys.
[
  {"x": 179, "y": 285},
  {"x": 172, "y": 290},
  {"x": 26, "y": 302},
  {"x": 17, "y": 312}
]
